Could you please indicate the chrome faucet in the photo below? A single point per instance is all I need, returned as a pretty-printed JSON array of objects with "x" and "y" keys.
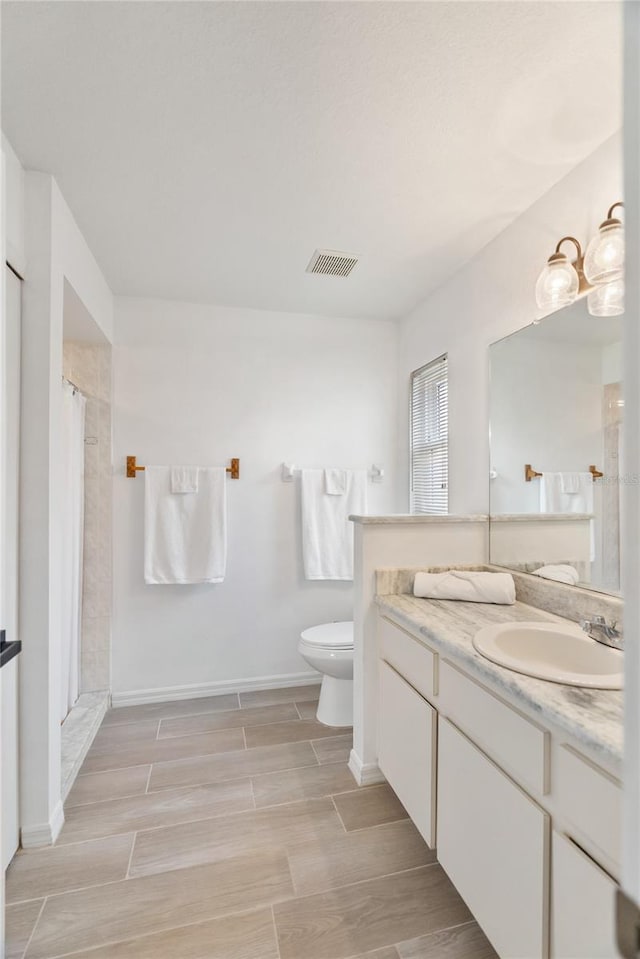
[{"x": 603, "y": 632}]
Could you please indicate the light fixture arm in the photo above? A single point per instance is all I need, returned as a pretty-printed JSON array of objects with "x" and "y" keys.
[
  {"x": 612, "y": 208},
  {"x": 573, "y": 240}
]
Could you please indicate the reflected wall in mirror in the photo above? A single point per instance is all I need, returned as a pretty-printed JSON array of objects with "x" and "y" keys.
[{"x": 556, "y": 404}]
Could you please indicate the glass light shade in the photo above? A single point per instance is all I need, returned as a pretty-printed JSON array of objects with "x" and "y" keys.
[
  {"x": 604, "y": 259},
  {"x": 607, "y": 299},
  {"x": 557, "y": 285}
]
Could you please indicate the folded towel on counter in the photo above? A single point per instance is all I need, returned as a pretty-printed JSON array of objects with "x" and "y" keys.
[
  {"x": 184, "y": 479},
  {"x": 327, "y": 532},
  {"x": 471, "y": 587},
  {"x": 185, "y": 537},
  {"x": 335, "y": 482},
  {"x": 560, "y": 572}
]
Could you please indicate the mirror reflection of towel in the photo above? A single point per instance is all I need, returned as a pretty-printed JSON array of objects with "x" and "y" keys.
[{"x": 554, "y": 499}]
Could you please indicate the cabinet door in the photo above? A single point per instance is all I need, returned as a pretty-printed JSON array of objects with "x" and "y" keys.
[
  {"x": 493, "y": 841},
  {"x": 582, "y": 905},
  {"x": 407, "y": 749}
]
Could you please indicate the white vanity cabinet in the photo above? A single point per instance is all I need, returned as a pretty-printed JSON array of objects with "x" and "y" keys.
[
  {"x": 407, "y": 749},
  {"x": 493, "y": 842},
  {"x": 525, "y": 825},
  {"x": 582, "y": 905}
]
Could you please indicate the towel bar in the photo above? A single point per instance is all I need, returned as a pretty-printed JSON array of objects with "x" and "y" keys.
[
  {"x": 376, "y": 473},
  {"x": 133, "y": 468},
  {"x": 530, "y": 473}
]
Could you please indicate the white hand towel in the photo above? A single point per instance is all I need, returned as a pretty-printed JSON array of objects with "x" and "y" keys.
[
  {"x": 560, "y": 572},
  {"x": 185, "y": 537},
  {"x": 335, "y": 482},
  {"x": 327, "y": 533},
  {"x": 570, "y": 482},
  {"x": 466, "y": 585},
  {"x": 184, "y": 479}
]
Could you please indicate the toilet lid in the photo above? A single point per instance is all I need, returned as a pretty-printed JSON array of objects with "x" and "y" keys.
[{"x": 336, "y": 635}]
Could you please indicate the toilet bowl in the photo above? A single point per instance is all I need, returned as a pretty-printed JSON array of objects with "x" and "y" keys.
[{"x": 329, "y": 649}]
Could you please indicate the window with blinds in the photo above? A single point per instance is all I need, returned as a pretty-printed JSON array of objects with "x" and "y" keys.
[{"x": 430, "y": 438}]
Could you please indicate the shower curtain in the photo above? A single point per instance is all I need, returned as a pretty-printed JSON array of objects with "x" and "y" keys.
[{"x": 73, "y": 407}]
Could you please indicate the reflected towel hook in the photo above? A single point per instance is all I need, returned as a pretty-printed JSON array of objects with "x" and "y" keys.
[{"x": 530, "y": 473}]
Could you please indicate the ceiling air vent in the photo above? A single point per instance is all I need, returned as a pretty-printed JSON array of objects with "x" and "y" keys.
[{"x": 332, "y": 263}]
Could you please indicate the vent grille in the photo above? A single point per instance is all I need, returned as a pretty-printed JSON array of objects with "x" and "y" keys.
[{"x": 332, "y": 263}]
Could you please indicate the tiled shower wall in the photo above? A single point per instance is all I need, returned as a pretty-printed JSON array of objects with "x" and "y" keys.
[{"x": 88, "y": 366}]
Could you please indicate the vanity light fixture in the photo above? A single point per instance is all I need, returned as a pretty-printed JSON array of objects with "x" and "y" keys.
[
  {"x": 599, "y": 272},
  {"x": 604, "y": 259},
  {"x": 561, "y": 280},
  {"x": 607, "y": 299}
]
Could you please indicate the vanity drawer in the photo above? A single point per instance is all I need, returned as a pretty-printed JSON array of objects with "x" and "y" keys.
[
  {"x": 408, "y": 657},
  {"x": 591, "y": 801},
  {"x": 519, "y": 746}
]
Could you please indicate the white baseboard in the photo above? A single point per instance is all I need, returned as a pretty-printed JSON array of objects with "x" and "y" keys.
[
  {"x": 365, "y": 774},
  {"x": 43, "y": 834},
  {"x": 138, "y": 697}
]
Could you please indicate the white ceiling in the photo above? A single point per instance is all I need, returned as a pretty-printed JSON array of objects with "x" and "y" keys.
[{"x": 207, "y": 148}]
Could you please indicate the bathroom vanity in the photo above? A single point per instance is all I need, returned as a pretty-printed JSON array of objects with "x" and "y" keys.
[{"x": 515, "y": 780}]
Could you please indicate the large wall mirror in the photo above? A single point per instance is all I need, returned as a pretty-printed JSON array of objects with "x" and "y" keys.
[{"x": 556, "y": 415}]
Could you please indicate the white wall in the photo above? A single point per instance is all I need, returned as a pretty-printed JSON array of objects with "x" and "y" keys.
[
  {"x": 630, "y": 499},
  {"x": 200, "y": 384},
  {"x": 491, "y": 296},
  {"x": 56, "y": 253},
  {"x": 13, "y": 214}
]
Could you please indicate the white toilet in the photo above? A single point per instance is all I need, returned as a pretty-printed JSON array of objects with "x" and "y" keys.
[{"x": 329, "y": 649}]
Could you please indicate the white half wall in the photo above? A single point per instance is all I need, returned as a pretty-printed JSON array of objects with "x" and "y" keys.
[
  {"x": 201, "y": 384},
  {"x": 492, "y": 296},
  {"x": 400, "y": 541}
]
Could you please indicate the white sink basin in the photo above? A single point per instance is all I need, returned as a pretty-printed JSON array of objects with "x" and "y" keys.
[{"x": 553, "y": 651}]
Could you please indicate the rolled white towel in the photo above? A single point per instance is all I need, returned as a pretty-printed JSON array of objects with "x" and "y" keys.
[
  {"x": 561, "y": 573},
  {"x": 471, "y": 587}
]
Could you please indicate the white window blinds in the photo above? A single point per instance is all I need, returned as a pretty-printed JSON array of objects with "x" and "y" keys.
[{"x": 430, "y": 438}]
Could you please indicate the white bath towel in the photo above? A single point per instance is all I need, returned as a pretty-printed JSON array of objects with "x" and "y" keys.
[
  {"x": 185, "y": 537},
  {"x": 472, "y": 587},
  {"x": 184, "y": 479},
  {"x": 553, "y": 498},
  {"x": 327, "y": 533},
  {"x": 560, "y": 572},
  {"x": 335, "y": 482}
]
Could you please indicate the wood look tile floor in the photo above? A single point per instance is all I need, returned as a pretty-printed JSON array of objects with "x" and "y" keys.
[{"x": 231, "y": 828}]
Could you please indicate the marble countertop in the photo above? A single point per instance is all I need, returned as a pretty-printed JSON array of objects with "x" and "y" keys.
[
  {"x": 539, "y": 517},
  {"x": 418, "y": 518},
  {"x": 592, "y": 718}
]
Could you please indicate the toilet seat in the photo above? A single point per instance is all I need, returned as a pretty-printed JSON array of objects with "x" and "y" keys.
[{"x": 329, "y": 636}]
